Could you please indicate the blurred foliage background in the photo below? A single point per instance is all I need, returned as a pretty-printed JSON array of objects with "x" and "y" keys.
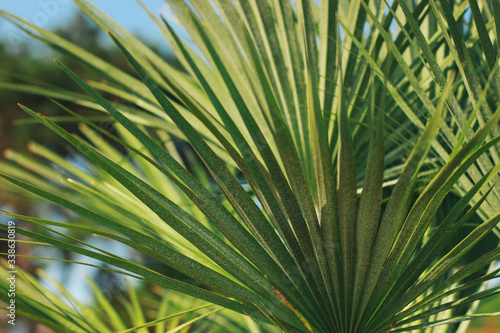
[{"x": 32, "y": 63}]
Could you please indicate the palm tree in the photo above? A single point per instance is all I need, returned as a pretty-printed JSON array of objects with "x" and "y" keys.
[{"x": 327, "y": 144}]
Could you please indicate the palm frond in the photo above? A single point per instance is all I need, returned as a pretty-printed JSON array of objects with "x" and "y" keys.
[{"x": 329, "y": 147}]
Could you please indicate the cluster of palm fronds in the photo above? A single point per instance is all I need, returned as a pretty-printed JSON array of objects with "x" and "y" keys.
[
  {"x": 325, "y": 138},
  {"x": 53, "y": 305}
]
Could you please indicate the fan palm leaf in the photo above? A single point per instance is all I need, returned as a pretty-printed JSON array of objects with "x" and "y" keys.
[{"x": 325, "y": 132}]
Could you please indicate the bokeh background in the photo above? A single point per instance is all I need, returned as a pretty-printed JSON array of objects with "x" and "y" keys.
[{"x": 23, "y": 60}]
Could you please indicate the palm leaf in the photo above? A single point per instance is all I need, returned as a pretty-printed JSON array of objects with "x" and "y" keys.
[{"x": 329, "y": 150}]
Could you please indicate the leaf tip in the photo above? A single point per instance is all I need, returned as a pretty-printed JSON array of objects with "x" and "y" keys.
[
  {"x": 30, "y": 145},
  {"x": 7, "y": 153}
]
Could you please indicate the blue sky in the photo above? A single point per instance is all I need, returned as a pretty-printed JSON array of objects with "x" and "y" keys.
[{"x": 53, "y": 13}]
